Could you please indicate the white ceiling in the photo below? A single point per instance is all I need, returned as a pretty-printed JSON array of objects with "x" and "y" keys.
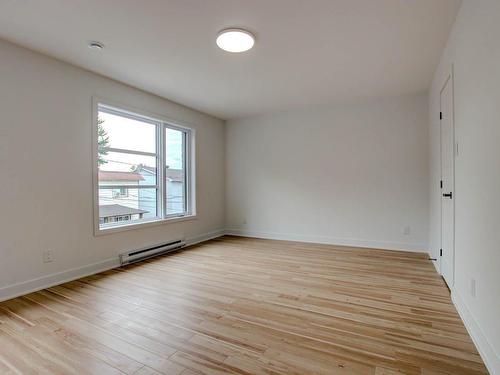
[{"x": 308, "y": 52}]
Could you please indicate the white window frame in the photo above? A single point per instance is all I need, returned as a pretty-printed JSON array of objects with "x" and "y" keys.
[{"x": 161, "y": 123}]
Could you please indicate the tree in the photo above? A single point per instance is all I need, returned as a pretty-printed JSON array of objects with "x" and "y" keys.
[{"x": 102, "y": 142}]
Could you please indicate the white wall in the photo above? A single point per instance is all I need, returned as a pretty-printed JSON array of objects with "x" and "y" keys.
[
  {"x": 474, "y": 50},
  {"x": 46, "y": 171},
  {"x": 356, "y": 174}
]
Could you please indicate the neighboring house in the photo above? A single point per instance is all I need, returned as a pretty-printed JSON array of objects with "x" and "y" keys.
[
  {"x": 147, "y": 197},
  {"x": 122, "y": 203},
  {"x": 115, "y": 212},
  {"x": 174, "y": 186},
  {"x": 126, "y": 202}
]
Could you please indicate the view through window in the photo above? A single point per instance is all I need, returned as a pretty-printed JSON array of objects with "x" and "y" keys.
[{"x": 132, "y": 153}]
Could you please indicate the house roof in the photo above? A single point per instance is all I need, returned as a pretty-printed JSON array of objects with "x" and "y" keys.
[
  {"x": 141, "y": 168},
  {"x": 117, "y": 209},
  {"x": 119, "y": 176},
  {"x": 176, "y": 175}
]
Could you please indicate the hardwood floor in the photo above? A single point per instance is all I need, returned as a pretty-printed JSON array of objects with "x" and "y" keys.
[{"x": 244, "y": 306}]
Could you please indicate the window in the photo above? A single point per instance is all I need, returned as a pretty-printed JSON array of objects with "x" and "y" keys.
[
  {"x": 143, "y": 169},
  {"x": 120, "y": 192}
]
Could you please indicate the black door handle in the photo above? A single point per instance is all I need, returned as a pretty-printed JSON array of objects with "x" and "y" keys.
[{"x": 449, "y": 195}]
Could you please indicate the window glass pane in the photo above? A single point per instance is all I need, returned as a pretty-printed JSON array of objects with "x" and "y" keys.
[
  {"x": 175, "y": 184},
  {"x": 117, "y": 209},
  {"x": 116, "y": 168},
  {"x": 125, "y": 133},
  {"x": 124, "y": 174}
]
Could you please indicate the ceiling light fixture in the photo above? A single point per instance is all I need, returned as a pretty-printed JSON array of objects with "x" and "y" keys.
[
  {"x": 96, "y": 45},
  {"x": 235, "y": 40}
]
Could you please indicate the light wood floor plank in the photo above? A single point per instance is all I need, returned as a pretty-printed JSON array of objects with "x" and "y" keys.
[{"x": 245, "y": 306}]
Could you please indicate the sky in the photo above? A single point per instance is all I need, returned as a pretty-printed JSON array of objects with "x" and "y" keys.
[{"x": 135, "y": 135}]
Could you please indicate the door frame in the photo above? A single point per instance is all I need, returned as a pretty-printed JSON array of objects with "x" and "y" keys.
[{"x": 449, "y": 78}]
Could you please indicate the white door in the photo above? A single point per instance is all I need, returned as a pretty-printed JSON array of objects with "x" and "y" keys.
[{"x": 448, "y": 183}]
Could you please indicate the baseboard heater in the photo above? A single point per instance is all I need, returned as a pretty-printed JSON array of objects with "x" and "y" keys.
[{"x": 149, "y": 252}]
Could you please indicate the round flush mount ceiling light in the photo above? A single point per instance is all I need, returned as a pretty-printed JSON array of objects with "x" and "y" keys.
[
  {"x": 98, "y": 46},
  {"x": 235, "y": 40}
]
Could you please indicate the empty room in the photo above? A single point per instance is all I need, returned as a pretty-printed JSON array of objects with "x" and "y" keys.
[{"x": 277, "y": 187}]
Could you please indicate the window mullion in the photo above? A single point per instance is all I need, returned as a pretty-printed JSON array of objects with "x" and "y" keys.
[
  {"x": 161, "y": 195},
  {"x": 125, "y": 151}
]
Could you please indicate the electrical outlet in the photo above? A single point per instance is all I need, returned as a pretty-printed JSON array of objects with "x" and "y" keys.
[
  {"x": 473, "y": 287},
  {"x": 48, "y": 256},
  {"x": 407, "y": 230}
]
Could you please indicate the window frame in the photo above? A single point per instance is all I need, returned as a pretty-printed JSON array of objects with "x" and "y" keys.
[{"x": 161, "y": 123}]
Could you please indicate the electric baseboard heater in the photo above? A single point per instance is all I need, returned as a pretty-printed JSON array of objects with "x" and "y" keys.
[{"x": 149, "y": 252}]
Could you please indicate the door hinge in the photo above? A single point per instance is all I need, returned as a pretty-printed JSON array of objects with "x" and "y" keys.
[
  {"x": 440, "y": 115},
  {"x": 441, "y": 184},
  {"x": 440, "y": 252}
]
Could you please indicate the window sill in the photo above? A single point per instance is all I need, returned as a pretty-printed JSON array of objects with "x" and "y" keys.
[{"x": 146, "y": 224}]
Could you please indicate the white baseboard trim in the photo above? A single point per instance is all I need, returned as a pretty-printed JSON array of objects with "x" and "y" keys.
[
  {"x": 205, "y": 237},
  {"x": 386, "y": 245},
  {"x": 43, "y": 282},
  {"x": 436, "y": 264},
  {"x": 490, "y": 357}
]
